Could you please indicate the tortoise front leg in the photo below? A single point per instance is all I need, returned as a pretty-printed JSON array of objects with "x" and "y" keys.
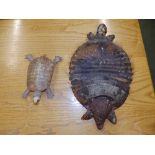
[
  {"x": 29, "y": 57},
  {"x": 88, "y": 115},
  {"x": 56, "y": 59},
  {"x": 25, "y": 93}
]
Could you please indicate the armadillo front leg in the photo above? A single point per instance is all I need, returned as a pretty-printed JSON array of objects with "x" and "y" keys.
[
  {"x": 29, "y": 57},
  {"x": 112, "y": 117},
  {"x": 88, "y": 115},
  {"x": 25, "y": 93},
  {"x": 49, "y": 93}
]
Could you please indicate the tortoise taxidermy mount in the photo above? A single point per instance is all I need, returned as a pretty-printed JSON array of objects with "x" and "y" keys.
[
  {"x": 39, "y": 75},
  {"x": 100, "y": 75}
]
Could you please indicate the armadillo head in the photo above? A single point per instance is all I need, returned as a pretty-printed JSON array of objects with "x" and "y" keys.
[
  {"x": 100, "y": 107},
  {"x": 100, "y": 35}
]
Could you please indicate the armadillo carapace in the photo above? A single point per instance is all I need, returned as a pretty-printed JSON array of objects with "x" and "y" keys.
[{"x": 100, "y": 74}]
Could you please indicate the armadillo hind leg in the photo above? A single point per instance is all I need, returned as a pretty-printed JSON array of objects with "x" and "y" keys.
[
  {"x": 29, "y": 57},
  {"x": 49, "y": 93},
  {"x": 88, "y": 115},
  {"x": 25, "y": 93},
  {"x": 112, "y": 117}
]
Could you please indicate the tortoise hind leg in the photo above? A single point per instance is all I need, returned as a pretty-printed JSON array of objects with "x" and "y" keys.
[
  {"x": 112, "y": 117},
  {"x": 25, "y": 93},
  {"x": 88, "y": 115},
  {"x": 29, "y": 57},
  {"x": 49, "y": 93}
]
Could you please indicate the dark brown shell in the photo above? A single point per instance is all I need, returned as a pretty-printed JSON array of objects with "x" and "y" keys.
[
  {"x": 39, "y": 74},
  {"x": 99, "y": 68}
]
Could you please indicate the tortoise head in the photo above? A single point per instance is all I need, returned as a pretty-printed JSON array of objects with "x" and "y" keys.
[
  {"x": 36, "y": 97},
  {"x": 100, "y": 107}
]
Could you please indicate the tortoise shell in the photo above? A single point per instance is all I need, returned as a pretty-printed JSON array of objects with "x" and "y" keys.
[
  {"x": 39, "y": 73},
  {"x": 39, "y": 76},
  {"x": 100, "y": 75}
]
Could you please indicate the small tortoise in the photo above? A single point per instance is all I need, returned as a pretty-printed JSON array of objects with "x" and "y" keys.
[
  {"x": 39, "y": 76},
  {"x": 100, "y": 75}
]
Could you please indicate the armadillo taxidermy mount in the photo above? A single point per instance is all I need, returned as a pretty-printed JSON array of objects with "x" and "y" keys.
[
  {"x": 39, "y": 76},
  {"x": 100, "y": 75}
]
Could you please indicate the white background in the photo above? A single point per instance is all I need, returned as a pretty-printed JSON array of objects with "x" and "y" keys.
[
  {"x": 77, "y": 9},
  {"x": 77, "y": 145}
]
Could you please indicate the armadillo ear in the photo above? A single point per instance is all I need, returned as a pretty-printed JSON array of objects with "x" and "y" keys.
[
  {"x": 110, "y": 37},
  {"x": 88, "y": 115},
  {"x": 112, "y": 117},
  {"x": 90, "y": 36}
]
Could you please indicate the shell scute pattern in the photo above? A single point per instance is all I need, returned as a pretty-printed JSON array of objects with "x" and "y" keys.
[
  {"x": 39, "y": 73},
  {"x": 39, "y": 76}
]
